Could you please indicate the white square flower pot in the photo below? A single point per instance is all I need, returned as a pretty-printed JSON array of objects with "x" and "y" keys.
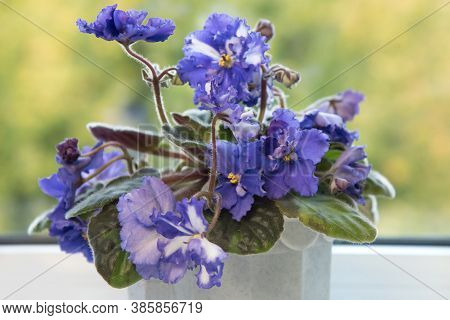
[{"x": 297, "y": 267}]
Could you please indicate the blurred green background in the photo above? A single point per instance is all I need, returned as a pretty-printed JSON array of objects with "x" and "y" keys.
[{"x": 48, "y": 91}]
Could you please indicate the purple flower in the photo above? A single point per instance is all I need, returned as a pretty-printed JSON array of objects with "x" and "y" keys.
[
  {"x": 344, "y": 104},
  {"x": 66, "y": 184},
  {"x": 225, "y": 54},
  {"x": 126, "y": 26},
  {"x": 239, "y": 179},
  {"x": 330, "y": 124},
  {"x": 215, "y": 98},
  {"x": 331, "y": 114},
  {"x": 71, "y": 233},
  {"x": 291, "y": 156},
  {"x": 349, "y": 173},
  {"x": 165, "y": 238}
]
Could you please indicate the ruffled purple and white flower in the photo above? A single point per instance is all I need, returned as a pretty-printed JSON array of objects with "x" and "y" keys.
[
  {"x": 166, "y": 238},
  {"x": 240, "y": 175},
  {"x": 349, "y": 173},
  {"x": 66, "y": 184},
  {"x": 244, "y": 125},
  {"x": 291, "y": 156},
  {"x": 127, "y": 27},
  {"x": 225, "y": 54}
]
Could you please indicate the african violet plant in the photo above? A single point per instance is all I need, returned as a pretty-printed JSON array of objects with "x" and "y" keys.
[{"x": 245, "y": 162}]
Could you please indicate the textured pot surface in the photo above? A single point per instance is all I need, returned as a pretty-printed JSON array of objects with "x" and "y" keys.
[{"x": 297, "y": 267}]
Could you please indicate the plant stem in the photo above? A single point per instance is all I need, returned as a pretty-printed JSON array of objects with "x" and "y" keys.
[
  {"x": 281, "y": 98},
  {"x": 263, "y": 99},
  {"x": 213, "y": 175},
  {"x": 217, "y": 211},
  {"x": 104, "y": 167},
  {"x": 155, "y": 81},
  {"x": 166, "y": 71},
  {"x": 113, "y": 144}
]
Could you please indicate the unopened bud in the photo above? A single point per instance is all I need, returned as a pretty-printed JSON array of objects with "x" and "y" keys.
[
  {"x": 266, "y": 28},
  {"x": 68, "y": 150},
  {"x": 339, "y": 185},
  {"x": 285, "y": 76}
]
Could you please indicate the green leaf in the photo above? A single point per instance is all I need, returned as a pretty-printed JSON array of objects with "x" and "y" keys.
[
  {"x": 225, "y": 133},
  {"x": 40, "y": 223},
  {"x": 379, "y": 185},
  {"x": 330, "y": 216},
  {"x": 143, "y": 140},
  {"x": 257, "y": 232},
  {"x": 370, "y": 209},
  {"x": 197, "y": 120},
  {"x": 187, "y": 139},
  {"x": 110, "y": 260},
  {"x": 111, "y": 192}
]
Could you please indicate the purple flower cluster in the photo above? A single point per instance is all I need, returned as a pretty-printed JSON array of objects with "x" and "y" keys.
[
  {"x": 66, "y": 184},
  {"x": 271, "y": 166},
  {"x": 126, "y": 26},
  {"x": 166, "y": 238},
  {"x": 226, "y": 63},
  {"x": 292, "y": 154},
  {"x": 330, "y": 116},
  {"x": 223, "y": 62}
]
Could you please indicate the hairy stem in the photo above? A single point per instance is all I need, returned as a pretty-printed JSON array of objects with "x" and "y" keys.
[
  {"x": 217, "y": 211},
  {"x": 213, "y": 175},
  {"x": 166, "y": 72},
  {"x": 280, "y": 95},
  {"x": 104, "y": 167},
  {"x": 155, "y": 82},
  {"x": 263, "y": 99},
  {"x": 113, "y": 144}
]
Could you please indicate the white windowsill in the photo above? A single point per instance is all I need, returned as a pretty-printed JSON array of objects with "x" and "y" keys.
[{"x": 357, "y": 273}]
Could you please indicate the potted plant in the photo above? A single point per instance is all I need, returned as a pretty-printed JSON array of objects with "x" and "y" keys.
[{"x": 259, "y": 190}]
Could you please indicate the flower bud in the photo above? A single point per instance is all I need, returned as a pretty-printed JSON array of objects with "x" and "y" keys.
[
  {"x": 266, "y": 28},
  {"x": 285, "y": 76},
  {"x": 68, "y": 150}
]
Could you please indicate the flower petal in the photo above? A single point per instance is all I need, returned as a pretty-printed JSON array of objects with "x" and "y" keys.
[
  {"x": 312, "y": 145},
  {"x": 242, "y": 206},
  {"x": 300, "y": 177},
  {"x": 210, "y": 258}
]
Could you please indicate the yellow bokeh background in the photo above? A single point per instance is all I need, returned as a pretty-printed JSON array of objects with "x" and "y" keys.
[{"x": 54, "y": 80}]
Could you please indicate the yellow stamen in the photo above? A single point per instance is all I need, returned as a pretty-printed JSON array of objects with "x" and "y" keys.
[
  {"x": 287, "y": 158},
  {"x": 225, "y": 61},
  {"x": 234, "y": 178}
]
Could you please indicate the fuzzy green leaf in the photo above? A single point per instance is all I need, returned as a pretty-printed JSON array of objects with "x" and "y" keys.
[
  {"x": 197, "y": 120},
  {"x": 330, "y": 216},
  {"x": 370, "y": 209},
  {"x": 379, "y": 185},
  {"x": 257, "y": 232},
  {"x": 187, "y": 139},
  {"x": 40, "y": 223},
  {"x": 111, "y": 192},
  {"x": 110, "y": 260}
]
